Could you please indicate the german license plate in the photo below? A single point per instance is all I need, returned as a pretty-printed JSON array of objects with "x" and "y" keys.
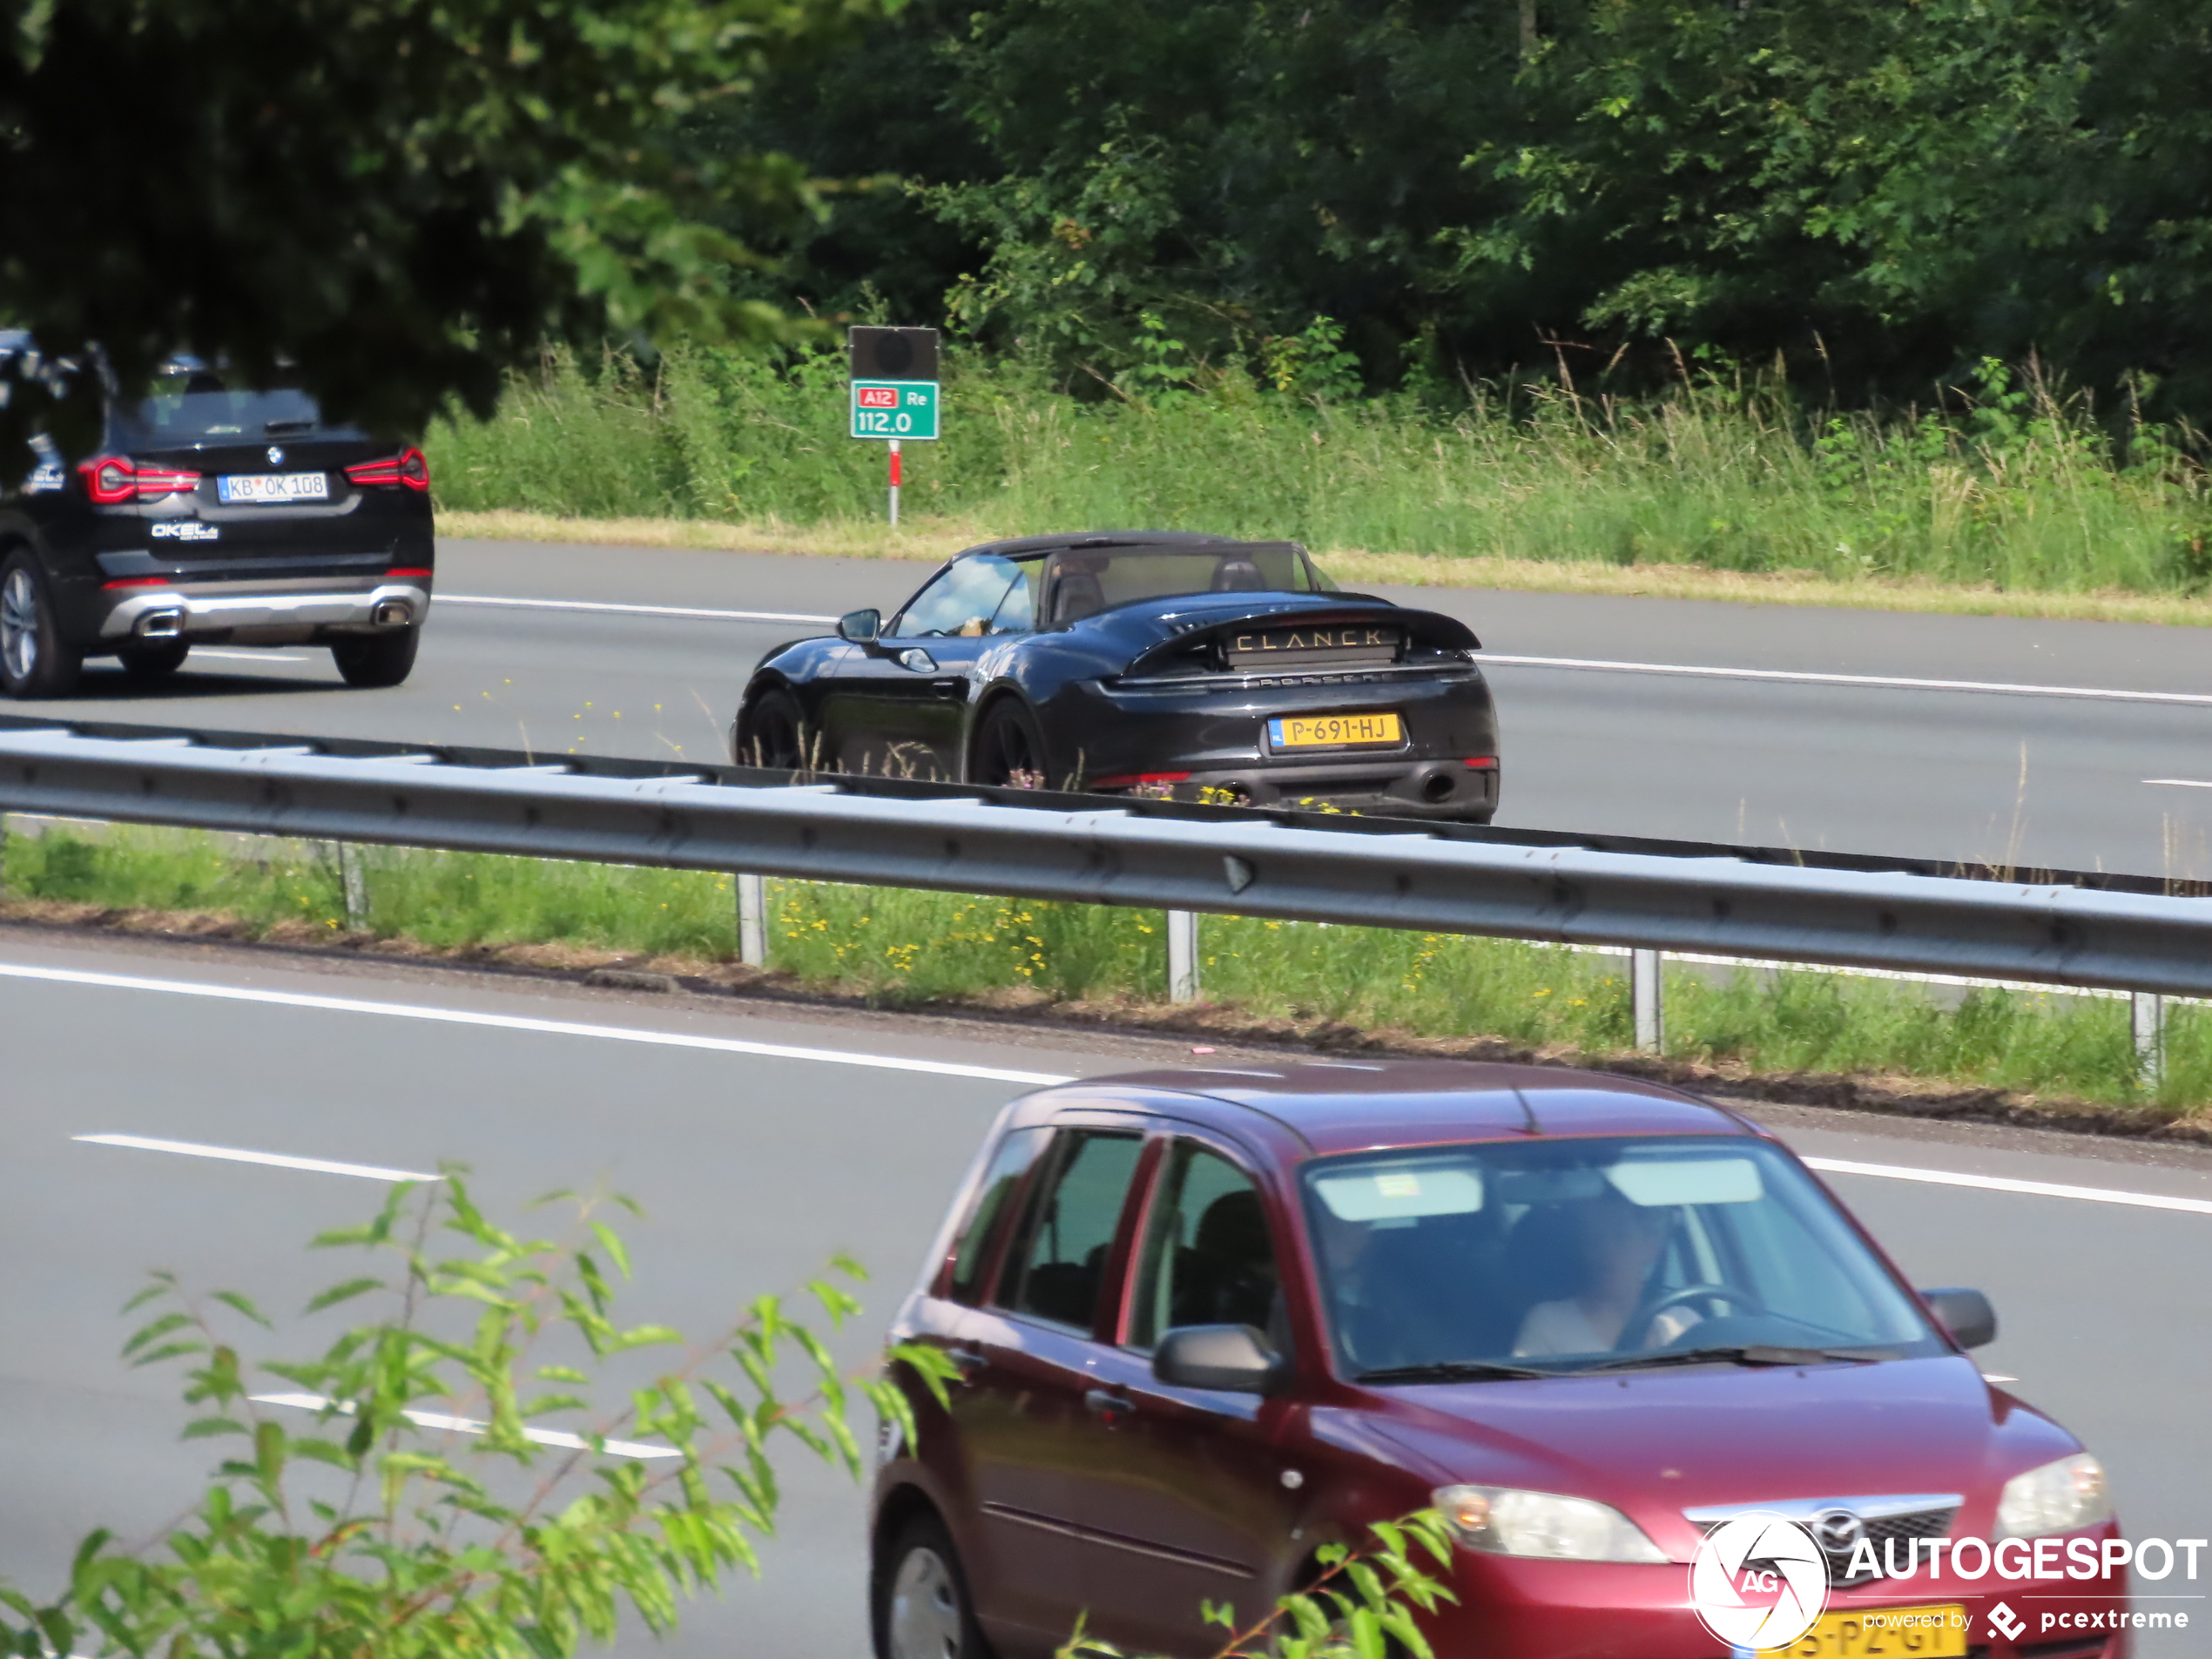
[
  {"x": 1333, "y": 731},
  {"x": 1882, "y": 1633},
  {"x": 273, "y": 486}
]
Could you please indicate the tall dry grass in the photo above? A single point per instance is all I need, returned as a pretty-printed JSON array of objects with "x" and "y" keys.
[{"x": 2008, "y": 483}]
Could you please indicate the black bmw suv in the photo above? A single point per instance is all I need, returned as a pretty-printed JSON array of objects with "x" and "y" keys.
[{"x": 210, "y": 511}]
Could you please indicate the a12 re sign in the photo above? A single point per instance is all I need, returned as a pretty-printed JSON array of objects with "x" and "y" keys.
[
  {"x": 894, "y": 382},
  {"x": 895, "y": 409}
]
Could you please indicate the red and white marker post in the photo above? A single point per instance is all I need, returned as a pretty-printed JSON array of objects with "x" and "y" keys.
[{"x": 894, "y": 483}]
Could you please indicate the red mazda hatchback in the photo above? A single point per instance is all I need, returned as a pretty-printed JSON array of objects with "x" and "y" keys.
[{"x": 1207, "y": 1323}]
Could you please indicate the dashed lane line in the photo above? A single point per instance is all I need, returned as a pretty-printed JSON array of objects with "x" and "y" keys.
[{"x": 833, "y": 1056}]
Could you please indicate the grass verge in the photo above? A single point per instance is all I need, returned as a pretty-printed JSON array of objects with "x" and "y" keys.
[
  {"x": 2016, "y": 1056},
  {"x": 2006, "y": 496}
]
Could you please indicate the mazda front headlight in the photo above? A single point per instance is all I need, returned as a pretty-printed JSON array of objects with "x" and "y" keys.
[
  {"x": 1506, "y": 1522},
  {"x": 2059, "y": 1497}
]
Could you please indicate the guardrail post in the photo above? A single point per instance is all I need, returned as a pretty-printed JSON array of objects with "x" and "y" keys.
[
  {"x": 353, "y": 881},
  {"x": 1644, "y": 1000},
  {"x": 752, "y": 920},
  {"x": 2147, "y": 1015},
  {"x": 1183, "y": 956}
]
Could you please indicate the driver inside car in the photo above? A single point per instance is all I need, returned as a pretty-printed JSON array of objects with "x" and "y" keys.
[{"x": 1617, "y": 1244}]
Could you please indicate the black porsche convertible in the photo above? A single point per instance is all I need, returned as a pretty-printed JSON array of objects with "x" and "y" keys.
[{"x": 1155, "y": 662}]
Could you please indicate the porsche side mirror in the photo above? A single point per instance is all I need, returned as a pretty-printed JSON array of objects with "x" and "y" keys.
[
  {"x": 1965, "y": 1314},
  {"x": 861, "y": 627},
  {"x": 1231, "y": 1357}
]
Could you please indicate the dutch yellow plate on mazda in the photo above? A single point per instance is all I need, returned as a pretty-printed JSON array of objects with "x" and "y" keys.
[
  {"x": 1333, "y": 731},
  {"x": 1882, "y": 1633}
]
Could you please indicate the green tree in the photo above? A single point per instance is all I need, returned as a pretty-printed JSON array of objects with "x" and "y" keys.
[
  {"x": 1886, "y": 194},
  {"x": 491, "y": 1467},
  {"x": 406, "y": 199}
]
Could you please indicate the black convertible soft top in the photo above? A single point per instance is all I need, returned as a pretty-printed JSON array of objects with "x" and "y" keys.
[{"x": 1193, "y": 541}]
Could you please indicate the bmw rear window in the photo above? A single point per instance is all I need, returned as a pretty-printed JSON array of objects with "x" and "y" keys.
[{"x": 186, "y": 404}]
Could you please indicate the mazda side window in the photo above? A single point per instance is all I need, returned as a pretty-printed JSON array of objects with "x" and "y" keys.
[
  {"x": 1208, "y": 1259},
  {"x": 1069, "y": 1232},
  {"x": 980, "y": 1228}
]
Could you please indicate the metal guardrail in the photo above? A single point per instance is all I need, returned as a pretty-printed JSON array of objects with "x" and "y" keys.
[{"x": 2076, "y": 928}]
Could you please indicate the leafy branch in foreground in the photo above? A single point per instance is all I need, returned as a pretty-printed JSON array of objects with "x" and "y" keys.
[
  {"x": 450, "y": 1478},
  {"x": 1361, "y": 1605}
]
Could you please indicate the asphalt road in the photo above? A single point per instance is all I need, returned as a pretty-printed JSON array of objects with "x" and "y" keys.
[
  {"x": 1818, "y": 753},
  {"x": 754, "y": 1167}
]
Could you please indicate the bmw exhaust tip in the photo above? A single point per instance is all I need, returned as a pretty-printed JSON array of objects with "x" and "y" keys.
[
  {"x": 394, "y": 613},
  {"x": 160, "y": 624}
]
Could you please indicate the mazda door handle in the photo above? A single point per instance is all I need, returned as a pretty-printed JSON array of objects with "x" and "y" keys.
[
  {"x": 1109, "y": 1403},
  {"x": 967, "y": 1361}
]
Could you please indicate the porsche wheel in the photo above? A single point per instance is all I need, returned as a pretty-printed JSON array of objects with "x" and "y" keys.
[
  {"x": 771, "y": 732},
  {"x": 1009, "y": 750}
]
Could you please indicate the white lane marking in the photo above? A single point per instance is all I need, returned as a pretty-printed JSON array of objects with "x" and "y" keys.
[
  {"x": 2001, "y": 1184},
  {"x": 629, "y": 611},
  {"x": 234, "y": 1154},
  {"x": 201, "y": 651},
  {"x": 1881, "y": 681},
  {"x": 830, "y": 1056},
  {"x": 471, "y": 1425},
  {"x": 518, "y": 1023},
  {"x": 2182, "y": 783},
  {"x": 1694, "y": 671}
]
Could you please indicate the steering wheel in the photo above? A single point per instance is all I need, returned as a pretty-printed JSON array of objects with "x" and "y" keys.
[{"x": 1741, "y": 1300}]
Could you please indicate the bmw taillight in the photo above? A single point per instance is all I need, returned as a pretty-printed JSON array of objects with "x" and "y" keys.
[
  {"x": 113, "y": 480},
  {"x": 407, "y": 468}
]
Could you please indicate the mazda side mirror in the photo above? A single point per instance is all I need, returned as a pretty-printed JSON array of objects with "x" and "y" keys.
[
  {"x": 1231, "y": 1357},
  {"x": 1965, "y": 1314},
  {"x": 861, "y": 627}
]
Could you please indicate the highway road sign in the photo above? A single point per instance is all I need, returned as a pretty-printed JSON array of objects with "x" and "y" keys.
[{"x": 895, "y": 409}]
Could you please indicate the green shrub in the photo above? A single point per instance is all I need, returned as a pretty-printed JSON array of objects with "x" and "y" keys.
[{"x": 2008, "y": 483}]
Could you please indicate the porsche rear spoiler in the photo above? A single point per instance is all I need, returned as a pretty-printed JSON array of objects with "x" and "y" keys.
[{"x": 1311, "y": 636}]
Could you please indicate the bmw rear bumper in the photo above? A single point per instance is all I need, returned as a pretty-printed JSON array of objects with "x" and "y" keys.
[{"x": 228, "y": 613}]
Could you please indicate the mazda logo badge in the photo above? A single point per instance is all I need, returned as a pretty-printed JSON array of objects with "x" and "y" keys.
[
  {"x": 1838, "y": 1531},
  {"x": 276, "y": 456}
]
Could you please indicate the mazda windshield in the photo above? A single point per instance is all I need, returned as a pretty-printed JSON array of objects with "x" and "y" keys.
[{"x": 1504, "y": 1259}]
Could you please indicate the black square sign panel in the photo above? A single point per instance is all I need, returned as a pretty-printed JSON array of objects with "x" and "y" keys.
[{"x": 893, "y": 354}]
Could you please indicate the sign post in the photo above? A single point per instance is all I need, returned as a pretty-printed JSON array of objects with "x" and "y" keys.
[{"x": 895, "y": 390}]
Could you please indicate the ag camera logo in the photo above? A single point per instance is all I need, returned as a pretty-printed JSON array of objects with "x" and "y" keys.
[{"x": 1759, "y": 1581}]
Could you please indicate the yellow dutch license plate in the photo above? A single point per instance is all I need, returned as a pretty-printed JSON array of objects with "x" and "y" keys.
[
  {"x": 1882, "y": 1633},
  {"x": 1333, "y": 731}
]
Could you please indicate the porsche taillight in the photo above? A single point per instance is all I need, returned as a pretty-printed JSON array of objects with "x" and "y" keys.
[
  {"x": 408, "y": 469},
  {"x": 113, "y": 480}
]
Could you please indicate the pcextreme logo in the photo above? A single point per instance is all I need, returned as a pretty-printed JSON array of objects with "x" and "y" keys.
[{"x": 1759, "y": 1581}]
